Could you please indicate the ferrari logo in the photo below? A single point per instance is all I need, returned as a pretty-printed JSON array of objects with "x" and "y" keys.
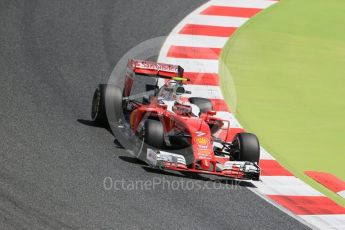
[{"x": 171, "y": 122}]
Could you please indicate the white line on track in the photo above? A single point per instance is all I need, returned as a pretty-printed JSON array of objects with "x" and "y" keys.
[
  {"x": 224, "y": 21},
  {"x": 193, "y": 65},
  {"x": 326, "y": 221},
  {"x": 259, "y": 4},
  {"x": 284, "y": 185},
  {"x": 196, "y": 41}
]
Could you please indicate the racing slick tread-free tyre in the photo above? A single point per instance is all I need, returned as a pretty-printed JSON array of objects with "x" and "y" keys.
[
  {"x": 204, "y": 104},
  {"x": 98, "y": 113},
  {"x": 98, "y": 110},
  {"x": 248, "y": 147},
  {"x": 153, "y": 132}
]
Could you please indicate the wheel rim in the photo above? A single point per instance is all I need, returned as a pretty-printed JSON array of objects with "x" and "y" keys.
[{"x": 237, "y": 147}]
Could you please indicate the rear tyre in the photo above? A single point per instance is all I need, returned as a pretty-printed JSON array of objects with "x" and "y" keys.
[
  {"x": 153, "y": 133},
  {"x": 98, "y": 113},
  {"x": 98, "y": 110},
  {"x": 204, "y": 104},
  {"x": 247, "y": 147}
]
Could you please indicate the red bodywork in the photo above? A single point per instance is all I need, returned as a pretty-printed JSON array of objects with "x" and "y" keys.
[{"x": 198, "y": 128}]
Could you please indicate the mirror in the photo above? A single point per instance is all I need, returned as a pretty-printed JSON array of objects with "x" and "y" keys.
[
  {"x": 146, "y": 99},
  {"x": 180, "y": 90},
  {"x": 211, "y": 112}
]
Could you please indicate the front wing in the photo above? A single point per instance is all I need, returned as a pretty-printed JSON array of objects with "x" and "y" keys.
[{"x": 234, "y": 169}]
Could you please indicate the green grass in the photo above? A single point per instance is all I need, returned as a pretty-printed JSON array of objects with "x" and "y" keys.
[{"x": 287, "y": 65}]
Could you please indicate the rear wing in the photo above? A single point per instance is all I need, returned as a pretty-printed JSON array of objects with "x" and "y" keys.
[
  {"x": 151, "y": 69},
  {"x": 160, "y": 70}
]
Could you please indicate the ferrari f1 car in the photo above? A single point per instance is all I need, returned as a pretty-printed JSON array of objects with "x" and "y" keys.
[{"x": 180, "y": 132}]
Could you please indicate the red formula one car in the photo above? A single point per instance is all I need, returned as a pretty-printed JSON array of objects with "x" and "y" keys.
[{"x": 177, "y": 132}]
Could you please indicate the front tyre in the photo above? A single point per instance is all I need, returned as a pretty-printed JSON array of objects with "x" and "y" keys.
[
  {"x": 247, "y": 147},
  {"x": 153, "y": 133}
]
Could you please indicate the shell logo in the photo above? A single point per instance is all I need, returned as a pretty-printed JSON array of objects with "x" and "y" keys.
[{"x": 201, "y": 140}]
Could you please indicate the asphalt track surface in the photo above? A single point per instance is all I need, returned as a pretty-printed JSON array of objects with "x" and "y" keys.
[{"x": 53, "y": 160}]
